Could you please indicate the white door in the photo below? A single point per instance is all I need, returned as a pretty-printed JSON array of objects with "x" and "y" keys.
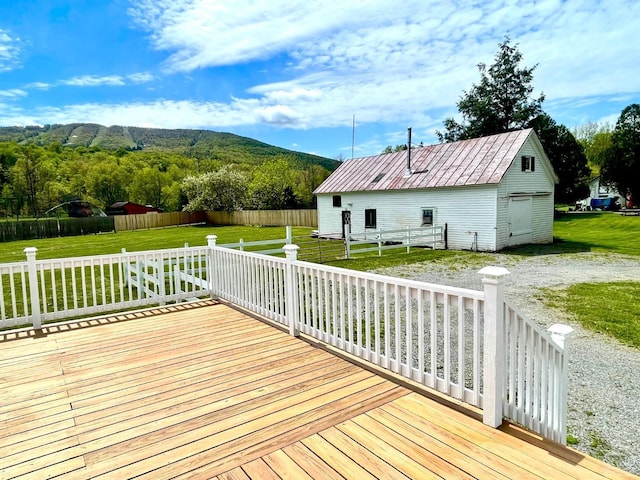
[{"x": 520, "y": 220}]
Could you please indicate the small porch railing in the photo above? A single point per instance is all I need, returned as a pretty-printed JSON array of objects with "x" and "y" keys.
[{"x": 471, "y": 345}]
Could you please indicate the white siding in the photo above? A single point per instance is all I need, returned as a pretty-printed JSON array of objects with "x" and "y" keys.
[
  {"x": 539, "y": 184},
  {"x": 466, "y": 211}
]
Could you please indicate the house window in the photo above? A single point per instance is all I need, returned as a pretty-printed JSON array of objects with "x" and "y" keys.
[
  {"x": 528, "y": 163},
  {"x": 427, "y": 217},
  {"x": 337, "y": 201},
  {"x": 370, "y": 218}
]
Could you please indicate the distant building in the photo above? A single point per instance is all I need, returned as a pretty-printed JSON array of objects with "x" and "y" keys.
[
  {"x": 492, "y": 192},
  {"x": 130, "y": 208}
]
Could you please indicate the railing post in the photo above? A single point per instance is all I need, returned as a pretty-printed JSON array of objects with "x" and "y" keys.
[
  {"x": 289, "y": 235},
  {"x": 494, "y": 347},
  {"x": 560, "y": 335},
  {"x": 211, "y": 242},
  {"x": 408, "y": 239},
  {"x": 347, "y": 240},
  {"x": 291, "y": 289},
  {"x": 34, "y": 294}
]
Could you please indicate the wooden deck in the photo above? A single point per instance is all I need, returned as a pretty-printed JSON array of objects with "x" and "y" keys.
[{"x": 209, "y": 392}]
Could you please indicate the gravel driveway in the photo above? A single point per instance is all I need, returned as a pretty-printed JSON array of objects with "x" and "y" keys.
[{"x": 604, "y": 376}]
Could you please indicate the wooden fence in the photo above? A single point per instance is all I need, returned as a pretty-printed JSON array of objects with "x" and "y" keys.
[
  {"x": 53, "y": 227},
  {"x": 297, "y": 218},
  {"x": 156, "y": 220}
]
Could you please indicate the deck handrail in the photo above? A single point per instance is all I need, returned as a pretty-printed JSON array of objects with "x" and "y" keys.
[
  {"x": 457, "y": 341},
  {"x": 472, "y": 345}
]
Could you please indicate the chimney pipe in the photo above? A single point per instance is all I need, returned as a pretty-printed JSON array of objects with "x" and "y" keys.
[{"x": 408, "y": 172}]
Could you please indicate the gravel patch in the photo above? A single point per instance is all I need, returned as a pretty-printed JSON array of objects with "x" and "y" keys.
[{"x": 604, "y": 375}]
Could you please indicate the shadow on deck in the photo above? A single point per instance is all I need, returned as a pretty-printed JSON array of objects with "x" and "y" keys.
[{"x": 206, "y": 391}]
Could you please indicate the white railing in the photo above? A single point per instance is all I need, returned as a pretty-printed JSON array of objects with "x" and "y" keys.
[
  {"x": 380, "y": 240},
  {"x": 471, "y": 345},
  {"x": 535, "y": 388},
  {"x": 37, "y": 291},
  {"x": 464, "y": 343}
]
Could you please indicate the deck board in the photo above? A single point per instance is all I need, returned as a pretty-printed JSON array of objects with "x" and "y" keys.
[{"x": 205, "y": 391}]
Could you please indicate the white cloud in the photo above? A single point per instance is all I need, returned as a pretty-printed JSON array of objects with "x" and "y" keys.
[
  {"x": 141, "y": 77},
  {"x": 13, "y": 93},
  {"x": 9, "y": 51},
  {"x": 161, "y": 114},
  {"x": 94, "y": 81},
  {"x": 39, "y": 85},
  {"x": 390, "y": 61}
]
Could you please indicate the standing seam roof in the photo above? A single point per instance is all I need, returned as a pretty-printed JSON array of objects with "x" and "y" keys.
[{"x": 478, "y": 161}]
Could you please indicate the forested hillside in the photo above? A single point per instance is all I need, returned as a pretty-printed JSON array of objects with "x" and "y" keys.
[
  {"x": 202, "y": 144},
  {"x": 41, "y": 167}
]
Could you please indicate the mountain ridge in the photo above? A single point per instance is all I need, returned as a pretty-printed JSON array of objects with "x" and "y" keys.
[{"x": 196, "y": 143}]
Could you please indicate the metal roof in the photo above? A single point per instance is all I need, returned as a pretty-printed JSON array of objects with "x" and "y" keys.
[{"x": 478, "y": 161}]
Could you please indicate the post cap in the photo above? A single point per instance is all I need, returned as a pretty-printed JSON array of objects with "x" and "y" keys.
[
  {"x": 560, "y": 333},
  {"x": 30, "y": 250},
  {"x": 494, "y": 272},
  {"x": 560, "y": 329}
]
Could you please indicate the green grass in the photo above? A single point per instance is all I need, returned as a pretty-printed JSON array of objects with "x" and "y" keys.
[
  {"x": 611, "y": 308},
  {"x": 589, "y": 232},
  {"x": 139, "y": 240},
  {"x": 392, "y": 258}
]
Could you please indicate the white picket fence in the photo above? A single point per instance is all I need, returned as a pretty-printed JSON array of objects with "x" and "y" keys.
[
  {"x": 380, "y": 240},
  {"x": 471, "y": 345}
]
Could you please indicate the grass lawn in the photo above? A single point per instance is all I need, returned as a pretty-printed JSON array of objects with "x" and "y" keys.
[
  {"x": 611, "y": 308},
  {"x": 138, "y": 240},
  {"x": 606, "y": 307},
  {"x": 590, "y": 232}
]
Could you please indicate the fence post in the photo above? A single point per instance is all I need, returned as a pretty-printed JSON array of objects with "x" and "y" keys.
[
  {"x": 408, "y": 239},
  {"x": 291, "y": 289},
  {"x": 560, "y": 334},
  {"x": 494, "y": 348},
  {"x": 34, "y": 294},
  {"x": 289, "y": 235},
  {"x": 379, "y": 242},
  {"x": 347, "y": 240},
  {"x": 211, "y": 242}
]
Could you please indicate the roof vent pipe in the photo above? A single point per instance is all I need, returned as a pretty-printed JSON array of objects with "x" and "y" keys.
[{"x": 408, "y": 172}]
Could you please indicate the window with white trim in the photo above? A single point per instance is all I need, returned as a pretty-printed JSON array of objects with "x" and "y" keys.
[
  {"x": 337, "y": 200},
  {"x": 428, "y": 217},
  {"x": 528, "y": 163}
]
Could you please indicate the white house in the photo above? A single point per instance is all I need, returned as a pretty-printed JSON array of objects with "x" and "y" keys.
[{"x": 491, "y": 192}]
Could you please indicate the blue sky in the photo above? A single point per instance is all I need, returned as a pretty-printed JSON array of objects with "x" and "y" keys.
[{"x": 294, "y": 73}]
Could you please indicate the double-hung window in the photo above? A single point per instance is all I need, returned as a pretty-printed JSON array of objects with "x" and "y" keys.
[{"x": 370, "y": 220}]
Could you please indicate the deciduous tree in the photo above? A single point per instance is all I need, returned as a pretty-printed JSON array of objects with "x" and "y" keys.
[
  {"x": 224, "y": 189},
  {"x": 622, "y": 164},
  {"x": 567, "y": 156}
]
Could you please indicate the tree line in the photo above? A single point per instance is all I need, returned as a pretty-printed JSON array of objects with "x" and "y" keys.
[{"x": 35, "y": 178}]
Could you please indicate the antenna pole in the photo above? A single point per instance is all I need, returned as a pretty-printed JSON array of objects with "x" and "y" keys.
[
  {"x": 353, "y": 134},
  {"x": 408, "y": 171}
]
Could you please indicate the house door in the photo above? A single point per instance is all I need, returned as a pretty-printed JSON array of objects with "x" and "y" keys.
[
  {"x": 346, "y": 220},
  {"x": 520, "y": 220}
]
